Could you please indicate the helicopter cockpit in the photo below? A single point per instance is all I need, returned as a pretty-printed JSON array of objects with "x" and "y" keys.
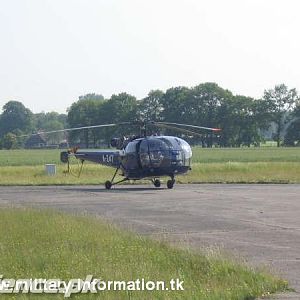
[{"x": 158, "y": 152}]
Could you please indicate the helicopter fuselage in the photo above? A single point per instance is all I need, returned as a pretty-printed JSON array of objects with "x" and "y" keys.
[{"x": 148, "y": 157}]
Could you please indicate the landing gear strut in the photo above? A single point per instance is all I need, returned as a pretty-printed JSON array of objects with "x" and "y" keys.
[{"x": 108, "y": 184}]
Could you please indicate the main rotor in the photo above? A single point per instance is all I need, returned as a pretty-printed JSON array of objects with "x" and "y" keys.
[{"x": 143, "y": 126}]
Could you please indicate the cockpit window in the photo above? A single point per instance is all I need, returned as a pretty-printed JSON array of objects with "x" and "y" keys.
[
  {"x": 157, "y": 144},
  {"x": 144, "y": 154},
  {"x": 185, "y": 147},
  {"x": 168, "y": 142},
  {"x": 131, "y": 147},
  {"x": 153, "y": 152},
  {"x": 164, "y": 151}
]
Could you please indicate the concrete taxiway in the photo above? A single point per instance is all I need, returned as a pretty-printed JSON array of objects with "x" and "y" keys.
[{"x": 257, "y": 223}]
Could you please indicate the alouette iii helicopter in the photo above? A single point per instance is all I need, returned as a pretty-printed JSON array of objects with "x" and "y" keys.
[{"x": 143, "y": 156}]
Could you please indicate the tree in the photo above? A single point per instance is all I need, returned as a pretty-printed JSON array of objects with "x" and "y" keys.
[
  {"x": 15, "y": 116},
  {"x": 9, "y": 141},
  {"x": 43, "y": 118},
  {"x": 50, "y": 121},
  {"x": 91, "y": 96},
  {"x": 292, "y": 136},
  {"x": 151, "y": 107},
  {"x": 123, "y": 107},
  {"x": 119, "y": 108},
  {"x": 248, "y": 119},
  {"x": 174, "y": 104},
  {"x": 51, "y": 125},
  {"x": 207, "y": 107},
  {"x": 93, "y": 111},
  {"x": 281, "y": 101},
  {"x": 84, "y": 112}
]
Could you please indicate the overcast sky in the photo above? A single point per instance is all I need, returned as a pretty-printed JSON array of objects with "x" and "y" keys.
[{"x": 52, "y": 51}]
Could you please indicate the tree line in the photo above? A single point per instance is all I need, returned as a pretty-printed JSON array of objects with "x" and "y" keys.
[{"x": 244, "y": 121}]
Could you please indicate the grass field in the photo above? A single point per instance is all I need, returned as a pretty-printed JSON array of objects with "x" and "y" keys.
[
  {"x": 262, "y": 154},
  {"x": 244, "y": 165},
  {"x": 200, "y": 155},
  {"x": 231, "y": 172},
  {"x": 45, "y": 244}
]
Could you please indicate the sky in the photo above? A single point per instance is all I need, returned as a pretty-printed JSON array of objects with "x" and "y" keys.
[{"x": 53, "y": 51}]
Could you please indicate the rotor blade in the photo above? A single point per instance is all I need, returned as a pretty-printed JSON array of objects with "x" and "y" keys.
[
  {"x": 178, "y": 129},
  {"x": 187, "y": 125},
  {"x": 76, "y": 128}
]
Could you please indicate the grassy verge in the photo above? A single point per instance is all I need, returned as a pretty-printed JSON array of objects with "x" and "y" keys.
[
  {"x": 44, "y": 244},
  {"x": 240, "y": 172},
  {"x": 231, "y": 172}
]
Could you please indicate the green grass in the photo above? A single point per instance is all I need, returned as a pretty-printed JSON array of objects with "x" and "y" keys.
[
  {"x": 262, "y": 154},
  {"x": 29, "y": 157},
  {"x": 200, "y": 155},
  {"x": 240, "y": 172},
  {"x": 229, "y": 165},
  {"x": 231, "y": 172},
  {"x": 45, "y": 244}
]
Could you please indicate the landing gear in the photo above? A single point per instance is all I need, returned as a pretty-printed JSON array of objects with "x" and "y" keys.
[
  {"x": 108, "y": 184},
  {"x": 170, "y": 183},
  {"x": 156, "y": 183}
]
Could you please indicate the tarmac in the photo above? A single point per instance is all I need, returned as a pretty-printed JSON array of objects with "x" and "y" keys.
[{"x": 258, "y": 224}]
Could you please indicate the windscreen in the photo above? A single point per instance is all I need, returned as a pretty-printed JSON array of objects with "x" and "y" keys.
[
  {"x": 164, "y": 151},
  {"x": 154, "y": 152},
  {"x": 181, "y": 150}
]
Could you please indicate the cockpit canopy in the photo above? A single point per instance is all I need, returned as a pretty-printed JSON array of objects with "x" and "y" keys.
[{"x": 160, "y": 151}]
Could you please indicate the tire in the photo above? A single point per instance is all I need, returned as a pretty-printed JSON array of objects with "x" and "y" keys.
[
  {"x": 170, "y": 183},
  {"x": 156, "y": 183},
  {"x": 108, "y": 185}
]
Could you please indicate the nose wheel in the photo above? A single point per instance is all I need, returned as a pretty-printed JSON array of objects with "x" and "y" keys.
[
  {"x": 157, "y": 183},
  {"x": 108, "y": 185},
  {"x": 170, "y": 183}
]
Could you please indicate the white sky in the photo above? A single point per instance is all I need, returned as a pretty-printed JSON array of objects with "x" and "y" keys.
[{"x": 52, "y": 51}]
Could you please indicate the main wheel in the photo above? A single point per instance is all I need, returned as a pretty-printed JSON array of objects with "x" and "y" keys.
[
  {"x": 156, "y": 183},
  {"x": 108, "y": 185},
  {"x": 170, "y": 183}
]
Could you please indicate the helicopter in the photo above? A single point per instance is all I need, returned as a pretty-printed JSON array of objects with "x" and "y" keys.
[{"x": 142, "y": 156}]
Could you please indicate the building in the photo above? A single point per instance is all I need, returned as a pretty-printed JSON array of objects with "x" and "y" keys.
[{"x": 35, "y": 142}]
